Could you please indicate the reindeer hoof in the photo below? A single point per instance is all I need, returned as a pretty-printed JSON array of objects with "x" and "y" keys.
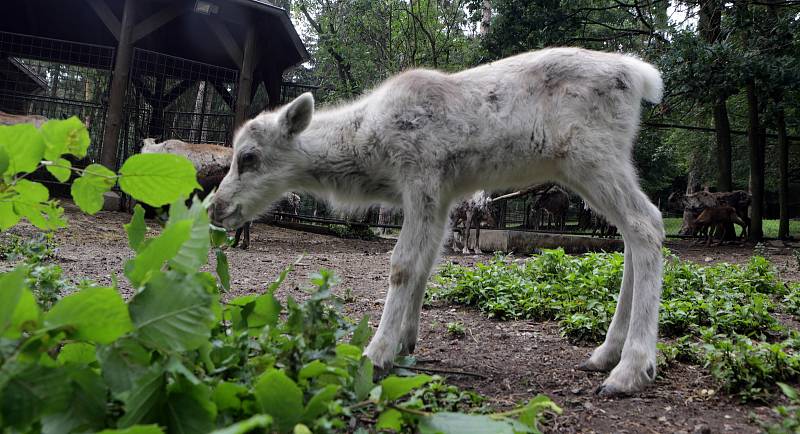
[
  {"x": 610, "y": 391},
  {"x": 589, "y": 366}
]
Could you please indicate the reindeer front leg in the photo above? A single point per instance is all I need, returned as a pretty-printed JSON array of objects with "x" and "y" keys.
[
  {"x": 477, "y": 248},
  {"x": 468, "y": 230},
  {"x": 412, "y": 259}
]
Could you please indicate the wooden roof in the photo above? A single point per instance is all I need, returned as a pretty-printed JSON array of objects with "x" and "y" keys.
[{"x": 170, "y": 27}]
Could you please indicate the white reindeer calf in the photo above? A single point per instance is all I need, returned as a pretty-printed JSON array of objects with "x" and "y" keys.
[{"x": 425, "y": 138}]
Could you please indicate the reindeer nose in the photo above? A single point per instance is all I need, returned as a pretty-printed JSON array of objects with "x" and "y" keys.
[{"x": 217, "y": 211}]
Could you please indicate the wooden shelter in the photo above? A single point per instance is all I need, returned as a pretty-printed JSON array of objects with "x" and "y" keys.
[{"x": 138, "y": 68}]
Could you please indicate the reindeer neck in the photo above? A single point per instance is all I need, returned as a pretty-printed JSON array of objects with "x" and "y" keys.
[{"x": 327, "y": 145}]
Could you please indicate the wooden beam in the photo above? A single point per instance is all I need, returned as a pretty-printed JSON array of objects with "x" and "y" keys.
[
  {"x": 143, "y": 90},
  {"x": 273, "y": 81},
  {"x": 226, "y": 38},
  {"x": 245, "y": 77},
  {"x": 224, "y": 94},
  {"x": 107, "y": 16},
  {"x": 157, "y": 20},
  {"x": 177, "y": 91},
  {"x": 119, "y": 83}
]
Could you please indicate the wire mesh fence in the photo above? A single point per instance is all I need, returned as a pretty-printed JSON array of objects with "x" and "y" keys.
[
  {"x": 174, "y": 98},
  {"x": 56, "y": 79}
]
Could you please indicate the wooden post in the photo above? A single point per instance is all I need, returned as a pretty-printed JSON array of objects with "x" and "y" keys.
[
  {"x": 244, "y": 89},
  {"x": 119, "y": 84}
]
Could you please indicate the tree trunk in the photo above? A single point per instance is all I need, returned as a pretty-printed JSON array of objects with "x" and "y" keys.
[
  {"x": 709, "y": 25},
  {"x": 198, "y": 112},
  {"x": 756, "y": 163},
  {"x": 783, "y": 171},
  {"x": 782, "y": 39},
  {"x": 486, "y": 17},
  {"x": 724, "y": 151}
]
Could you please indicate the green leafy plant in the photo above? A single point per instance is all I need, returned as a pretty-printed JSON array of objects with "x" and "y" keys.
[
  {"x": 789, "y": 414},
  {"x": 750, "y": 369},
  {"x": 153, "y": 179},
  {"x": 455, "y": 329},
  {"x": 721, "y": 316},
  {"x": 580, "y": 292}
]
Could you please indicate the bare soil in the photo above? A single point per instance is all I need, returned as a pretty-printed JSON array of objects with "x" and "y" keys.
[{"x": 511, "y": 360}]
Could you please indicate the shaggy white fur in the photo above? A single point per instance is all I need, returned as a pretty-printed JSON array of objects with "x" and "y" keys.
[{"x": 424, "y": 139}]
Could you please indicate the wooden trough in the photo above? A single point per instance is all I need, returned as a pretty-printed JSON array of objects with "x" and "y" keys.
[{"x": 524, "y": 242}]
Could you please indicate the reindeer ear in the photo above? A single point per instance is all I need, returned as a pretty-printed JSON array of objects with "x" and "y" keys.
[{"x": 296, "y": 116}]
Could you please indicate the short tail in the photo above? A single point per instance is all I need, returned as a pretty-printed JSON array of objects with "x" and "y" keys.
[{"x": 647, "y": 79}]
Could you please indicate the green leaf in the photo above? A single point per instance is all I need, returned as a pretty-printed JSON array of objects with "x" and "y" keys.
[
  {"x": 186, "y": 415},
  {"x": 279, "y": 396},
  {"x": 446, "y": 423},
  {"x": 247, "y": 425},
  {"x": 8, "y": 216},
  {"x": 362, "y": 333},
  {"x": 61, "y": 169},
  {"x": 227, "y": 396},
  {"x": 255, "y": 312},
  {"x": 219, "y": 237},
  {"x": 222, "y": 270},
  {"x": 176, "y": 367},
  {"x": 68, "y": 136},
  {"x": 31, "y": 203},
  {"x": 78, "y": 353},
  {"x": 158, "y": 179},
  {"x": 146, "y": 399},
  {"x": 136, "y": 229},
  {"x": 5, "y": 160},
  {"x": 532, "y": 411},
  {"x": 193, "y": 253},
  {"x": 123, "y": 363},
  {"x": 12, "y": 285},
  {"x": 24, "y": 145},
  {"x": 789, "y": 391},
  {"x": 138, "y": 429},
  {"x": 318, "y": 404},
  {"x": 87, "y": 191},
  {"x": 173, "y": 312},
  {"x": 25, "y": 317},
  {"x": 347, "y": 351},
  {"x": 363, "y": 381},
  {"x": 311, "y": 370},
  {"x": 157, "y": 251},
  {"x": 31, "y": 391},
  {"x": 87, "y": 404},
  {"x": 93, "y": 314},
  {"x": 390, "y": 419},
  {"x": 301, "y": 429},
  {"x": 394, "y": 387}
]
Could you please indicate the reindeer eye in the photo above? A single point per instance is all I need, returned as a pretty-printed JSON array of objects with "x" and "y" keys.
[{"x": 247, "y": 161}]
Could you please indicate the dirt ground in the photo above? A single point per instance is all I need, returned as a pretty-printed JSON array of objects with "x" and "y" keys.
[{"x": 513, "y": 360}]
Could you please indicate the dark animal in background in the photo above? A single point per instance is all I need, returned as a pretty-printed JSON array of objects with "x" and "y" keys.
[
  {"x": 211, "y": 162},
  {"x": 692, "y": 205},
  {"x": 550, "y": 207},
  {"x": 718, "y": 218},
  {"x": 471, "y": 213},
  {"x": 590, "y": 220}
]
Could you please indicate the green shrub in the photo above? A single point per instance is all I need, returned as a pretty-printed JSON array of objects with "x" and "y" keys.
[
  {"x": 580, "y": 292},
  {"x": 716, "y": 315}
]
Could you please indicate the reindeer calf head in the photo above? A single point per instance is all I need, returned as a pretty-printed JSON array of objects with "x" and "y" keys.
[{"x": 265, "y": 163}]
